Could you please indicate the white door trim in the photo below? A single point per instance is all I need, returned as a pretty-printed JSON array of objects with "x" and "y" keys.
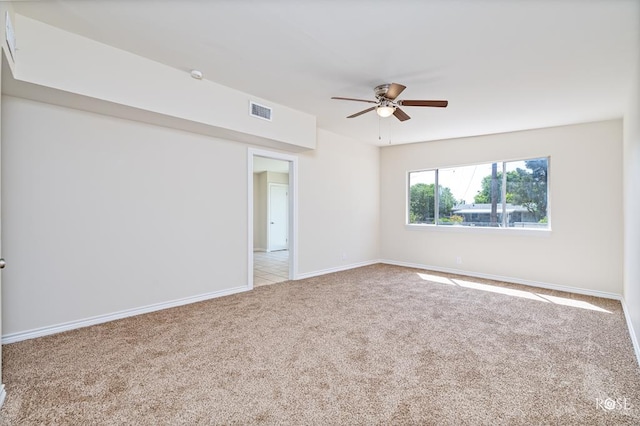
[{"x": 293, "y": 209}]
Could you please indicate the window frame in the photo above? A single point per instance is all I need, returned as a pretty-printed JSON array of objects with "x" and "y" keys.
[{"x": 476, "y": 229}]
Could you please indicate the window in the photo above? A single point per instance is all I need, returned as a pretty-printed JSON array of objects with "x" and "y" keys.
[
  {"x": 422, "y": 207},
  {"x": 509, "y": 194}
]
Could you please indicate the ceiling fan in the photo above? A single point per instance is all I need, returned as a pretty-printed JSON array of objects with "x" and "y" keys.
[{"x": 386, "y": 104}]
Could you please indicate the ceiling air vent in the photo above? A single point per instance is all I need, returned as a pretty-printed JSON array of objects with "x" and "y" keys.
[{"x": 259, "y": 111}]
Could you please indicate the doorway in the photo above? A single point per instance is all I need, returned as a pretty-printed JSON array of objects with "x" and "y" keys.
[{"x": 272, "y": 217}]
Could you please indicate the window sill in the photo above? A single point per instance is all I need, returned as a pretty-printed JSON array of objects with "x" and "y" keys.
[{"x": 479, "y": 230}]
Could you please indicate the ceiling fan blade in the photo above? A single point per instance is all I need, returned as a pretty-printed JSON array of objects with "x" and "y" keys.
[
  {"x": 440, "y": 104},
  {"x": 394, "y": 90},
  {"x": 401, "y": 115},
  {"x": 361, "y": 112},
  {"x": 353, "y": 99}
]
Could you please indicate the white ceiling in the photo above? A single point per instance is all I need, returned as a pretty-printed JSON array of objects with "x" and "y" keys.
[{"x": 504, "y": 65}]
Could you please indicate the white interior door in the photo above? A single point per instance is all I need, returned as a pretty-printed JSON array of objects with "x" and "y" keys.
[{"x": 278, "y": 226}]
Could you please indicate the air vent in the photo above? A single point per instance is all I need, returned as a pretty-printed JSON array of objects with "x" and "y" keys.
[{"x": 259, "y": 111}]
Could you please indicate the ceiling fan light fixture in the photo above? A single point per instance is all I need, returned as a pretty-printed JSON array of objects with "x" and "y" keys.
[
  {"x": 386, "y": 104},
  {"x": 385, "y": 111}
]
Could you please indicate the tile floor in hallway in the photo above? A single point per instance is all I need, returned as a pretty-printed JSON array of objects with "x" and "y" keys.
[{"x": 270, "y": 268}]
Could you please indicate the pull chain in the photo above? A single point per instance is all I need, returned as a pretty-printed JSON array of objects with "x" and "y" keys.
[{"x": 380, "y": 133}]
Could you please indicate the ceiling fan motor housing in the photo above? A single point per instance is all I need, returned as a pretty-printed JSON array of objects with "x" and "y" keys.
[{"x": 381, "y": 90}]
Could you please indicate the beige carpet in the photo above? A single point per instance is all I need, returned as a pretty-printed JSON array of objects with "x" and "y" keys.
[{"x": 374, "y": 345}]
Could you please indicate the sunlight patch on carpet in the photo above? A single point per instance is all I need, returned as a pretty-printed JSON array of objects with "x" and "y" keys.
[{"x": 512, "y": 292}]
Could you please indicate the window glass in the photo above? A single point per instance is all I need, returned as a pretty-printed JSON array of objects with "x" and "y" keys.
[
  {"x": 421, "y": 197},
  {"x": 459, "y": 186},
  {"x": 527, "y": 193},
  {"x": 510, "y": 194}
]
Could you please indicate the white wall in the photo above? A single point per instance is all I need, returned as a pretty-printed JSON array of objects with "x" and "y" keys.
[
  {"x": 339, "y": 204},
  {"x": 584, "y": 249},
  {"x": 632, "y": 200},
  {"x": 103, "y": 214}
]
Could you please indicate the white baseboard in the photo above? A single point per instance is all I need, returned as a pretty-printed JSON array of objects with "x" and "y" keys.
[
  {"x": 3, "y": 394},
  {"x": 71, "y": 325},
  {"x": 259, "y": 250},
  {"x": 568, "y": 289},
  {"x": 634, "y": 339},
  {"x": 335, "y": 269}
]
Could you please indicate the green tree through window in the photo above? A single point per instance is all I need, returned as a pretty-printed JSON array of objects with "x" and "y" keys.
[
  {"x": 422, "y": 204},
  {"x": 522, "y": 203},
  {"x": 525, "y": 187}
]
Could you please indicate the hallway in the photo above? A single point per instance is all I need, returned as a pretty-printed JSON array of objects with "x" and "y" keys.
[{"x": 270, "y": 267}]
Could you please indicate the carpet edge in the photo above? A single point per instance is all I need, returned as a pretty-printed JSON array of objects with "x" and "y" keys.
[
  {"x": 336, "y": 269},
  {"x": 632, "y": 334},
  {"x": 529, "y": 283}
]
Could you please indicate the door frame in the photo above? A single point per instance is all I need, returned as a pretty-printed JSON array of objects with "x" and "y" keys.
[{"x": 293, "y": 209}]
